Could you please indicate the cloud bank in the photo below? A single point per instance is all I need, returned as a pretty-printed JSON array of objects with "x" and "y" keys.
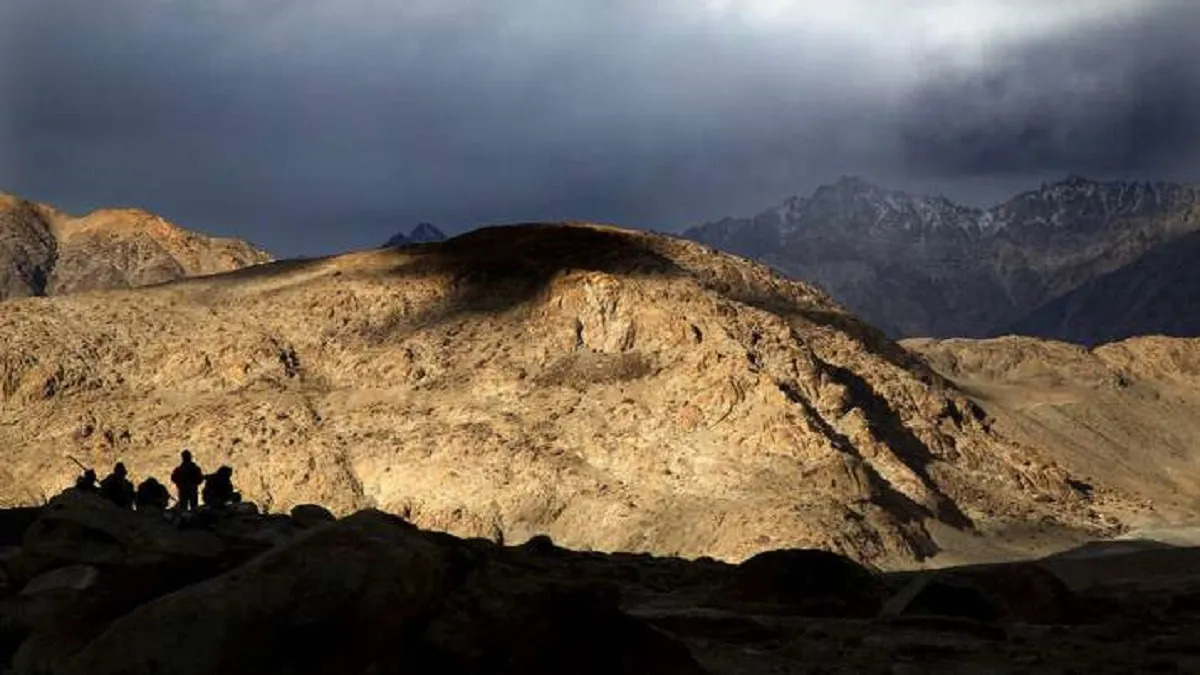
[{"x": 312, "y": 126}]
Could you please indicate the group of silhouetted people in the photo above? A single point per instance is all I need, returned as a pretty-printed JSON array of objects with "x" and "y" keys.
[{"x": 191, "y": 485}]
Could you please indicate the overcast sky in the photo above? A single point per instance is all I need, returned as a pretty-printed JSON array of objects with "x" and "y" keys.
[{"x": 314, "y": 126}]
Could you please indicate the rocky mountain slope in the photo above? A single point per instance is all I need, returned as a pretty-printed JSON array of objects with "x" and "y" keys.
[
  {"x": 87, "y": 588},
  {"x": 613, "y": 389},
  {"x": 46, "y": 252},
  {"x": 1157, "y": 294},
  {"x": 923, "y": 266}
]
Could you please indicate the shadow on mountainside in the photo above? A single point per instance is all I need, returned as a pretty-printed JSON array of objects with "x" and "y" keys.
[
  {"x": 886, "y": 496},
  {"x": 908, "y": 448},
  {"x": 496, "y": 269},
  {"x": 91, "y": 588}
]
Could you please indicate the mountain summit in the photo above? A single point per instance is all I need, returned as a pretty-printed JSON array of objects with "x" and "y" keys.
[
  {"x": 423, "y": 233},
  {"x": 925, "y": 266},
  {"x": 44, "y": 251}
]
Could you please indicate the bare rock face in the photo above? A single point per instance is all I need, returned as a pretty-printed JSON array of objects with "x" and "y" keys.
[
  {"x": 27, "y": 248},
  {"x": 46, "y": 252},
  {"x": 614, "y": 390}
]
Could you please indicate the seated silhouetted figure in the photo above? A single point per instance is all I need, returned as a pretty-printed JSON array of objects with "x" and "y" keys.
[
  {"x": 152, "y": 494},
  {"x": 218, "y": 489},
  {"x": 87, "y": 482},
  {"x": 116, "y": 488},
  {"x": 187, "y": 478}
]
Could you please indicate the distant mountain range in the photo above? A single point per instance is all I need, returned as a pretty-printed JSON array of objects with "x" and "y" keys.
[
  {"x": 925, "y": 266},
  {"x": 423, "y": 233},
  {"x": 1159, "y": 293}
]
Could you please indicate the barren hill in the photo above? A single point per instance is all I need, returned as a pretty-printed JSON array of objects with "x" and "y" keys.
[
  {"x": 1125, "y": 414},
  {"x": 616, "y": 390},
  {"x": 46, "y": 252}
]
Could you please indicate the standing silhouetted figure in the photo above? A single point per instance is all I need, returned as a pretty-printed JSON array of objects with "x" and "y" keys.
[
  {"x": 116, "y": 488},
  {"x": 152, "y": 494},
  {"x": 187, "y": 478},
  {"x": 87, "y": 482},
  {"x": 218, "y": 488}
]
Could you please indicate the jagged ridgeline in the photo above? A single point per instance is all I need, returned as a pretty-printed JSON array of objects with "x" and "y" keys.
[
  {"x": 617, "y": 390},
  {"x": 919, "y": 266}
]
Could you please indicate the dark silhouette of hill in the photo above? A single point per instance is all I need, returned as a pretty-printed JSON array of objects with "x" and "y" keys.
[
  {"x": 93, "y": 589},
  {"x": 1157, "y": 294}
]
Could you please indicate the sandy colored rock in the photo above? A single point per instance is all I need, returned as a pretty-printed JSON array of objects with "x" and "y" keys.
[
  {"x": 612, "y": 389},
  {"x": 1121, "y": 415},
  {"x": 44, "y": 251}
]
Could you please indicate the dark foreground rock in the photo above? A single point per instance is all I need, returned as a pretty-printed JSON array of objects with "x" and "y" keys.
[{"x": 98, "y": 591}]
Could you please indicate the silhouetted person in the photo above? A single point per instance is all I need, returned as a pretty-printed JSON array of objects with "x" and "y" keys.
[
  {"x": 152, "y": 494},
  {"x": 116, "y": 488},
  {"x": 87, "y": 482},
  {"x": 187, "y": 478},
  {"x": 218, "y": 489}
]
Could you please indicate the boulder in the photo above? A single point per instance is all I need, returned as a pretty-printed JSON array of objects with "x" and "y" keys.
[
  {"x": 14, "y": 521},
  {"x": 311, "y": 515},
  {"x": 511, "y": 623},
  {"x": 73, "y": 578},
  {"x": 801, "y": 582},
  {"x": 540, "y": 544},
  {"x": 1014, "y": 592},
  {"x": 82, "y": 529},
  {"x": 335, "y": 600}
]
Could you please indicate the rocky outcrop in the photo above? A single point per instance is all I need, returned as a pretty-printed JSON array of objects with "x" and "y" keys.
[
  {"x": 612, "y": 389},
  {"x": 924, "y": 266},
  {"x": 27, "y": 248},
  {"x": 46, "y": 252}
]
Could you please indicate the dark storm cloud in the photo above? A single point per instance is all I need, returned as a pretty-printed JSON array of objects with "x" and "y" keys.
[
  {"x": 1118, "y": 100},
  {"x": 310, "y": 125}
]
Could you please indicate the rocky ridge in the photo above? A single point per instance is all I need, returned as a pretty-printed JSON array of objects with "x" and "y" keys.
[
  {"x": 613, "y": 389},
  {"x": 924, "y": 266},
  {"x": 46, "y": 252}
]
